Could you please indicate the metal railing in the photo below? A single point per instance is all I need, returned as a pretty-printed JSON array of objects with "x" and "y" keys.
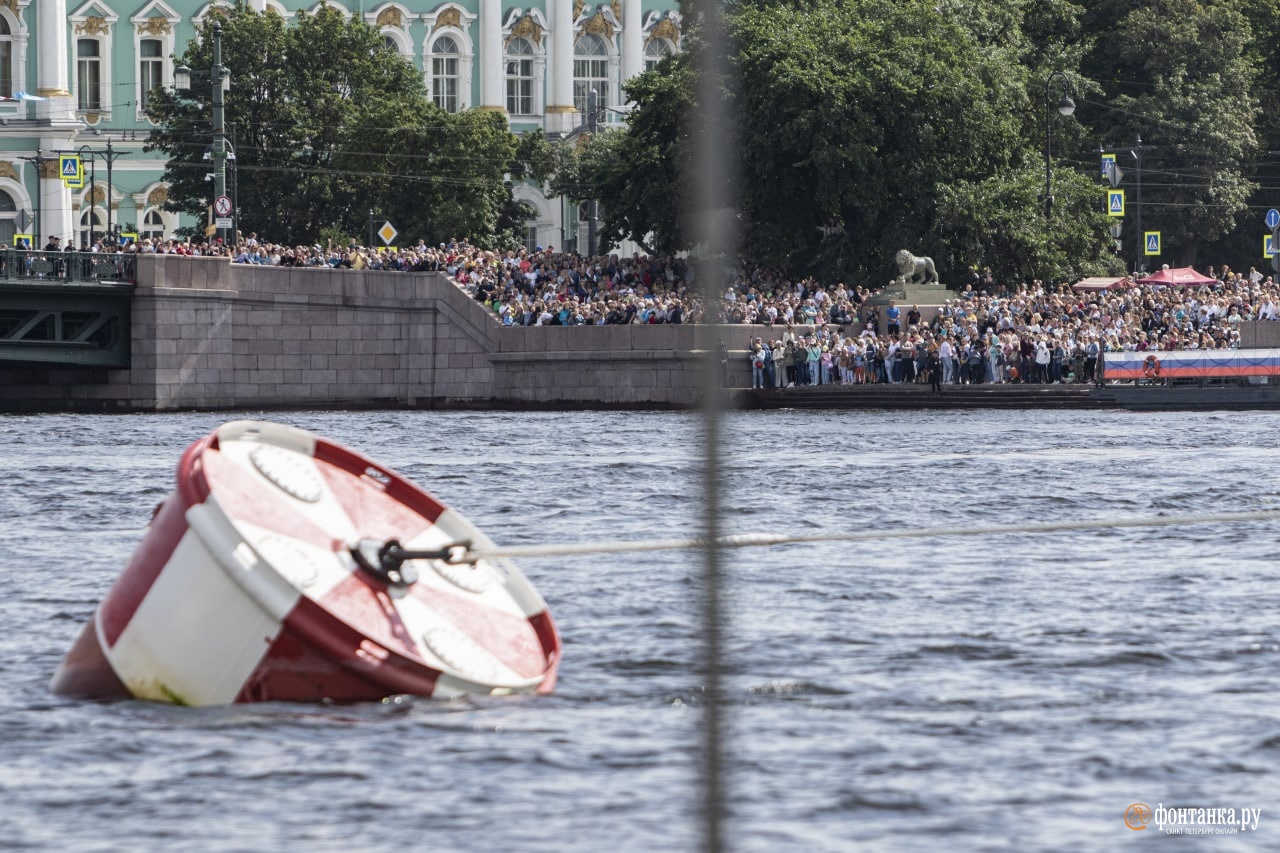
[{"x": 68, "y": 267}]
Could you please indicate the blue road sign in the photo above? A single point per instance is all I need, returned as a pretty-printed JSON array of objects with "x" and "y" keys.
[
  {"x": 1153, "y": 242},
  {"x": 1115, "y": 202},
  {"x": 1273, "y": 218}
]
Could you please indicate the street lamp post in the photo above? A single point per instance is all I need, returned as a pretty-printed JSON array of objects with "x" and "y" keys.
[
  {"x": 1137, "y": 205},
  {"x": 110, "y": 155},
  {"x": 84, "y": 151},
  {"x": 593, "y": 209},
  {"x": 217, "y": 80},
  {"x": 38, "y": 161},
  {"x": 1066, "y": 107}
]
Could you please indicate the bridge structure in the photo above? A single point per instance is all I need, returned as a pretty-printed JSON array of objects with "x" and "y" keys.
[{"x": 66, "y": 308}]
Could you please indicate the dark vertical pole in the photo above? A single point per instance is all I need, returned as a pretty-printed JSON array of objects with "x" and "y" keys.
[
  {"x": 714, "y": 225},
  {"x": 93, "y": 193},
  {"x": 593, "y": 106},
  {"x": 35, "y": 232},
  {"x": 110, "y": 157},
  {"x": 219, "y": 126},
  {"x": 235, "y": 189},
  {"x": 369, "y": 245},
  {"x": 1137, "y": 206},
  {"x": 1048, "y": 163}
]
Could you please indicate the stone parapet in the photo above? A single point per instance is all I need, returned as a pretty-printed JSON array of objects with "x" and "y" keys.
[{"x": 211, "y": 334}]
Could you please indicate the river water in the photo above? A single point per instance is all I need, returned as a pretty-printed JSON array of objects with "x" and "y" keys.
[{"x": 1015, "y": 691}]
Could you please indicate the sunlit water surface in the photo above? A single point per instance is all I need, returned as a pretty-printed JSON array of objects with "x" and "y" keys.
[{"x": 1011, "y": 691}]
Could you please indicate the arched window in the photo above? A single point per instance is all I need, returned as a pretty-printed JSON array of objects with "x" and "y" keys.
[
  {"x": 89, "y": 74},
  {"x": 444, "y": 73},
  {"x": 150, "y": 68},
  {"x": 391, "y": 44},
  {"x": 520, "y": 77},
  {"x": 590, "y": 71},
  {"x": 8, "y": 219},
  {"x": 6, "y": 58},
  {"x": 152, "y": 225},
  {"x": 656, "y": 51},
  {"x": 92, "y": 221}
]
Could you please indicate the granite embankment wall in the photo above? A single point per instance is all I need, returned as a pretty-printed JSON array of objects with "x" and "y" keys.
[{"x": 211, "y": 335}]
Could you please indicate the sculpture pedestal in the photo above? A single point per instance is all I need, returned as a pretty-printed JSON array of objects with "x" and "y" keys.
[
  {"x": 913, "y": 294},
  {"x": 929, "y": 298}
]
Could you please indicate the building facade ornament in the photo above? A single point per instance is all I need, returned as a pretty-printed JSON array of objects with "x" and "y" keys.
[
  {"x": 8, "y": 171},
  {"x": 390, "y": 17},
  {"x": 49, "y": 168},
  {"x": 156, "y": 25},
  {"x": 158, "y": 196},
  {"x": 93, "y": 25},
  {"x": 449, "y": 17},
  {"x": 665, "y": 29},
  {"x": 526, "y": 27},
  {"x": 599, "y": 25}
]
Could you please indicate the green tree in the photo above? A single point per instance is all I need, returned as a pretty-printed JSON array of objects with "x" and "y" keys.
[
  {"x": 329, "y": 123},
  {"x": 1178, "y": 74},
  {"x": 868, "y": 126},
  {"x": 1242, "y": 246},
  {"x": 635, "y": 173}
]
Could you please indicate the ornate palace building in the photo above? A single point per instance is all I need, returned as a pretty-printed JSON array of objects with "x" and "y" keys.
[{"x": 74, "y": 75}]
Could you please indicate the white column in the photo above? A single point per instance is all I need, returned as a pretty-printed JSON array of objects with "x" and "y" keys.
[
  {"x": 632, "y": 44},
  {"x": 56, "y": 216},
  {"x": 491, "y": 63},
  {"x": 560, "y": 112},
  {"x": 52, "y": 64},
  {"x": 58, "y": 114}
]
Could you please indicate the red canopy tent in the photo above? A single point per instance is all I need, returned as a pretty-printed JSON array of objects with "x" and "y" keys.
[
  {"x": 1092, "y": 285},
  {"x": 1181, "y": 277}
]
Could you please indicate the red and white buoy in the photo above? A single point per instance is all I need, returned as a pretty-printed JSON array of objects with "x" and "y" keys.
[{"x": 287, "y": 567}]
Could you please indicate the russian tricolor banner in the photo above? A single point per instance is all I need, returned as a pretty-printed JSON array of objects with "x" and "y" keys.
[{"x": 1192, "y": 364}]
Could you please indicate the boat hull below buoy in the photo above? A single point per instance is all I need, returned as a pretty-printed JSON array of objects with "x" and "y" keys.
[{"x": 248, "y": 587}]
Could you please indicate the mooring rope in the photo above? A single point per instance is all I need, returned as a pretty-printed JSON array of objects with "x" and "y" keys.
[{"x": 461, "y": 554}]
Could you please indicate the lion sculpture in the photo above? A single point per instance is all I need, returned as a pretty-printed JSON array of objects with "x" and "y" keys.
[{"x": 913, "y": 270}]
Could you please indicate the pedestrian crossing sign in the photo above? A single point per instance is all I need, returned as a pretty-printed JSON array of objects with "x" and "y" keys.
[
  {"x": 1108, "y": 163},
  {"x": 1152, "y": 240},
  {"x": 1269, "y": 247},
  {"x": 1115, "y": 202},
  {"x": 22, "y": 241},
  {"x": 71, "y": 168}
]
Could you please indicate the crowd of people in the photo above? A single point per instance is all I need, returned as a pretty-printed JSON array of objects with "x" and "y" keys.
[
  {"x": 1026, "y": 334},
  {"x": 816, "y": 333}
]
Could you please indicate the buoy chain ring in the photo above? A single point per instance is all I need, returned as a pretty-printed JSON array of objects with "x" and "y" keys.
[{"x": 1151, "y": 367}]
